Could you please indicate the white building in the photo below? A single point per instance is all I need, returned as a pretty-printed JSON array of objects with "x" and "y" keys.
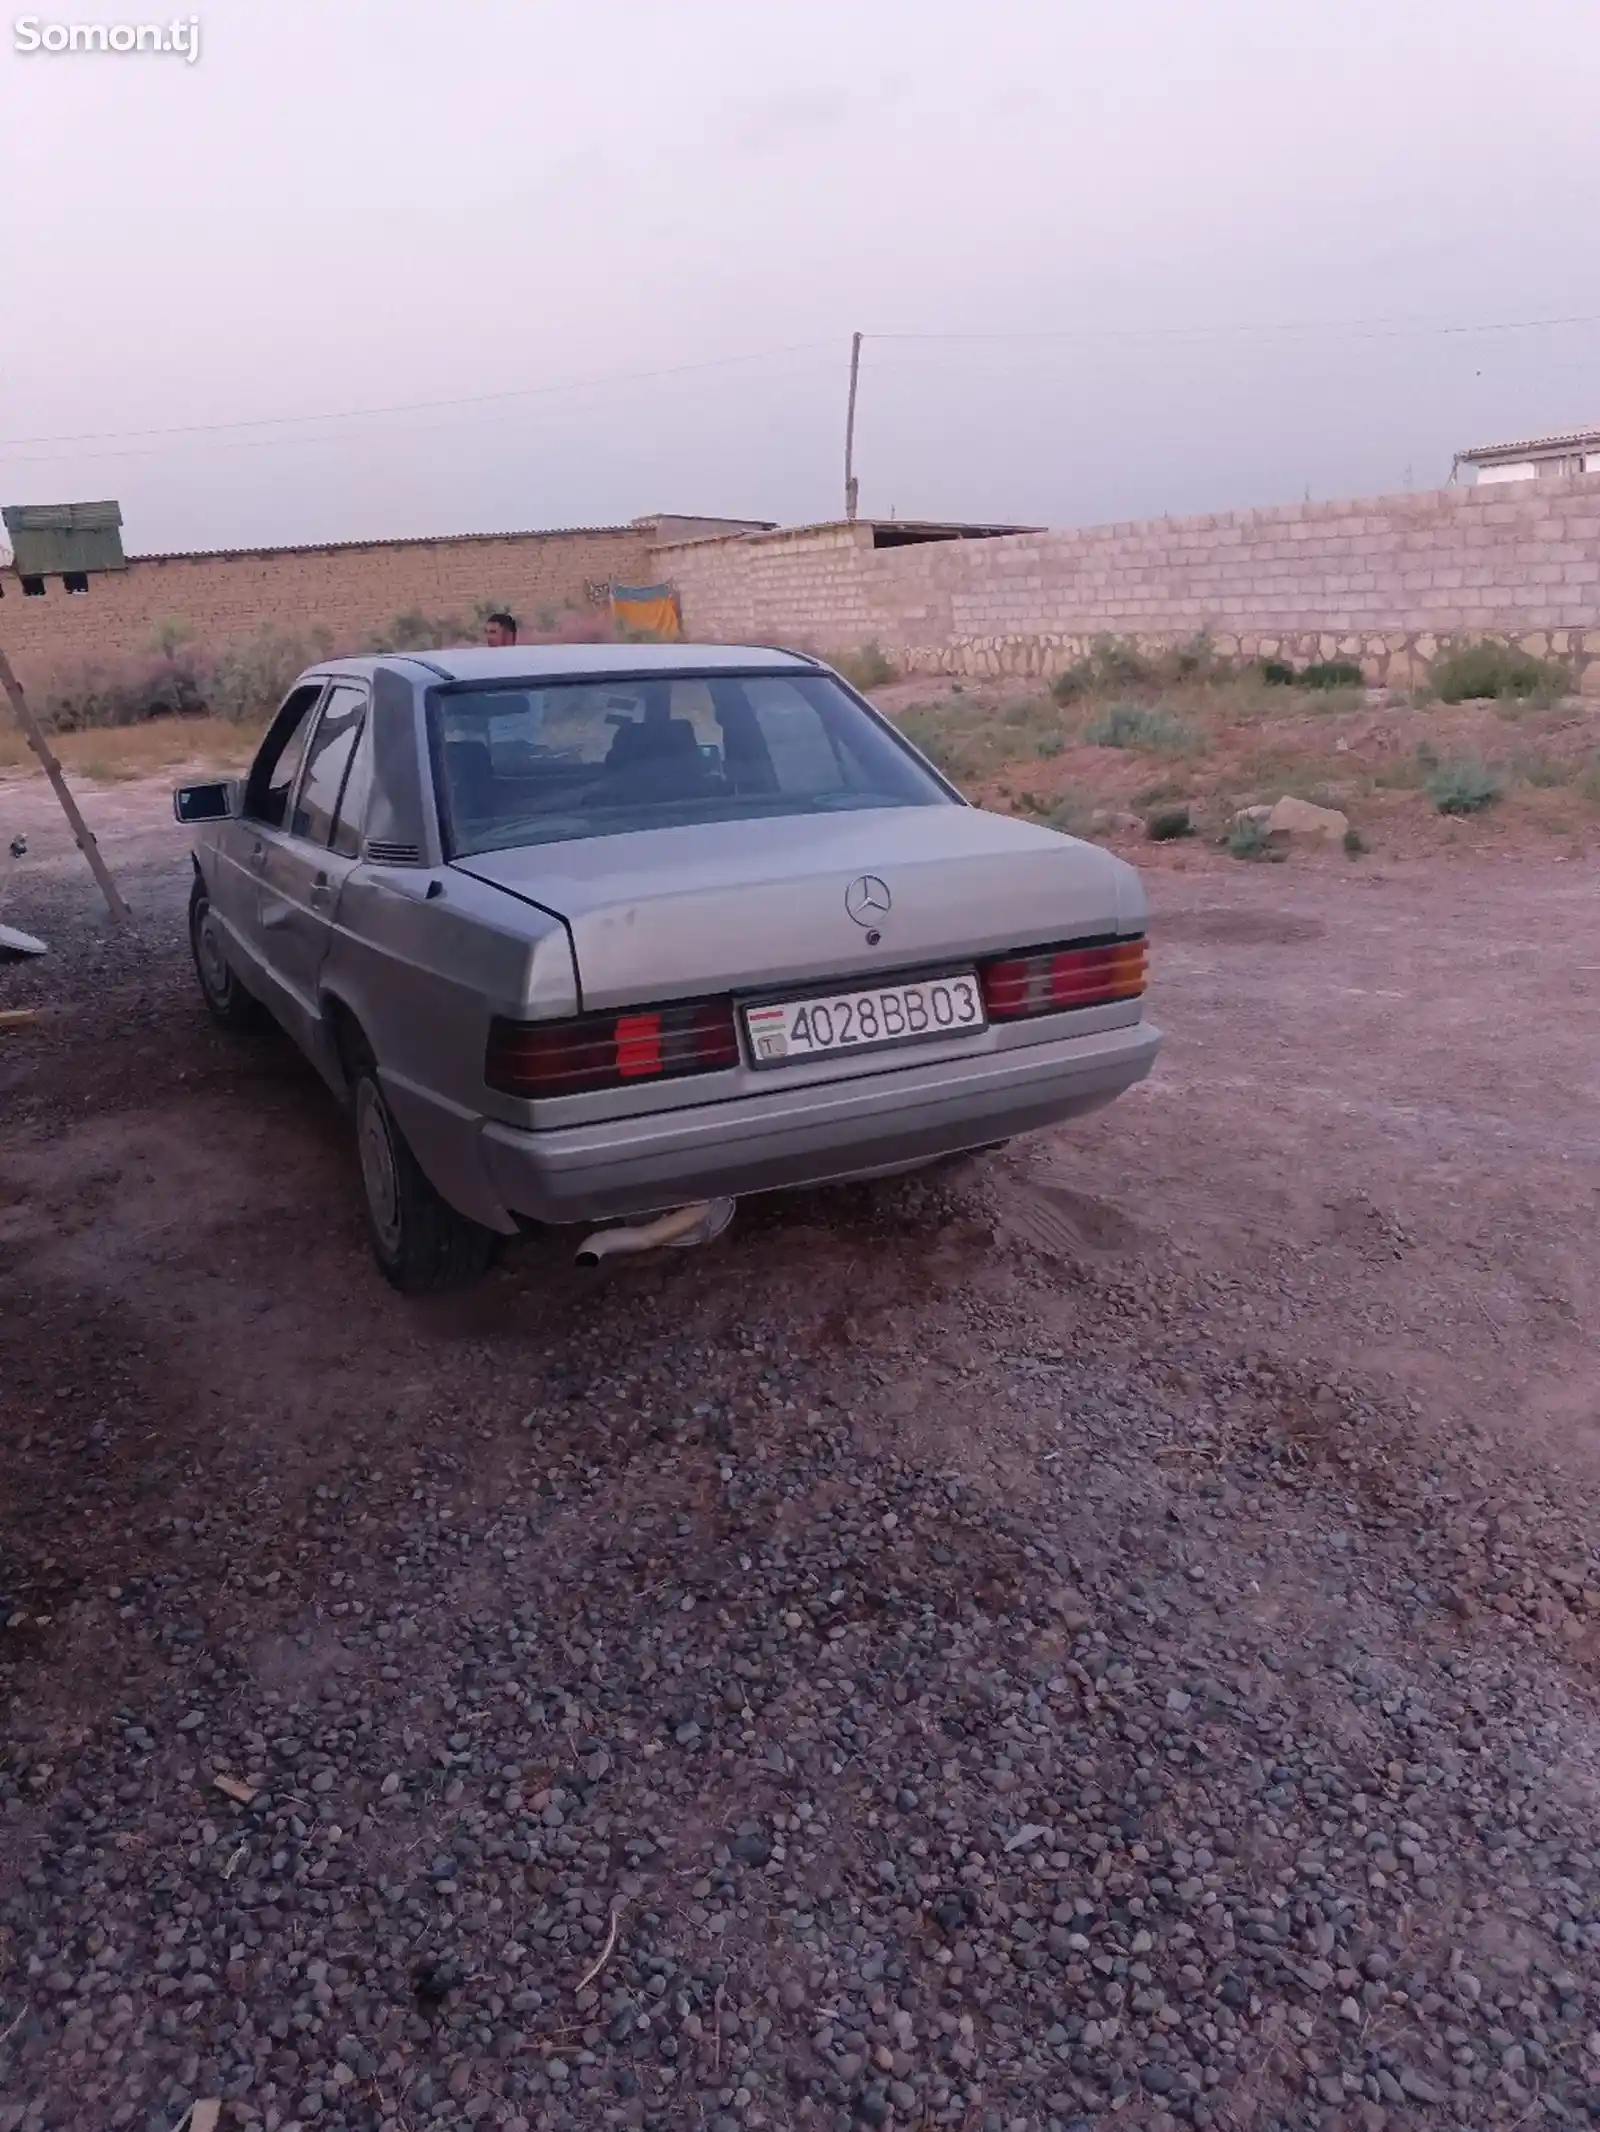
[{"x": 1533, "y": 459}]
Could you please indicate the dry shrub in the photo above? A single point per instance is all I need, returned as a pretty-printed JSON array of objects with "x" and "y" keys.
[
  {"x": 1476, "y": 672},
  {"x": 122, "y": 692},
  {"x": 870, "y": 667},
  {"x": 246, "y": 681},
  {"x": 252, "y": 677}
]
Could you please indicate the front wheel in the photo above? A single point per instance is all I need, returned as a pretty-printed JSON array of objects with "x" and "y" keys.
[
  {"x": 227, "y": 1000},
  {"x": 420, "y": 1242}
]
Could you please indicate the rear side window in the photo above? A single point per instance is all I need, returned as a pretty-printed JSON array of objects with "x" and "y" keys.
[
  {"x": 351, "y": 826},
  {"x": 328, "y": 762},
  {"x": 526, "y": 765}
]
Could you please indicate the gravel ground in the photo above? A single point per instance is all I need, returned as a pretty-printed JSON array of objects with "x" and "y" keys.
[{"x": 1104, "y": 1635}]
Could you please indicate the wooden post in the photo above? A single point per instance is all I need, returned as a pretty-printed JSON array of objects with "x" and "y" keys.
[
  {"x": 34, "y": 736},
  {"x": 850, "y": 430}
]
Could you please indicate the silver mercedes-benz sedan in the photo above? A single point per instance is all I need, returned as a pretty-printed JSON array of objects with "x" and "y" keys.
[{"x": 592, "y": 933}]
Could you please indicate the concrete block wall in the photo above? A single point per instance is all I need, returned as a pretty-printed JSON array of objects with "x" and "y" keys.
[
  {"x": 1385, "y": 581},
  {"x": 348, "y": 590}
]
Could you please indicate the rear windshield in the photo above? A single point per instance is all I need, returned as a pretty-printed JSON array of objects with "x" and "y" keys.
[{"x": 521, "y": 765}]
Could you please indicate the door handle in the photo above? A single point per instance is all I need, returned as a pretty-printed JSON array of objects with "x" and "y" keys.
[
  {"x": 321, "y": 887},
  {"x": 258, "y": 856}
]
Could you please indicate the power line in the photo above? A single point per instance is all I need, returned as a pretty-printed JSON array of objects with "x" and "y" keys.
[
  {"x": 410, "y": 407},
  {"x": 1360, "y": 329}
]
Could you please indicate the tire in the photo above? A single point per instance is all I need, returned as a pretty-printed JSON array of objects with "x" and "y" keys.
[
  {"x": 227, "y": 1001},
  {"x": 420, "y": 1242}
]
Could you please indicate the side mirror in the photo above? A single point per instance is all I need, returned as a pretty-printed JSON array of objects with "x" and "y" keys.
[{"x": 206, "y": 803}]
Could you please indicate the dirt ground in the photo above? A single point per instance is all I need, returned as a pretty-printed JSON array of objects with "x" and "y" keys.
[
  {"x": 1344, "y": 1236},
  {"x": 1230, "y": 742},
  {"x": 1380, "y": 1085}
]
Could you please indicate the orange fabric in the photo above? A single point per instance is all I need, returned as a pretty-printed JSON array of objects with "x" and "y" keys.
[{"x": 654, "y": 613}]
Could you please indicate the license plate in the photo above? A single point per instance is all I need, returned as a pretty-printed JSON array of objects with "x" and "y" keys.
[{"x": 788, "y": 1031}]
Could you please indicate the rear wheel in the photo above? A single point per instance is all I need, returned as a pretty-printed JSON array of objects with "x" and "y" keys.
[
  {"x": 228, "y": 1001},
  {"x": 420, "y": 1242}
]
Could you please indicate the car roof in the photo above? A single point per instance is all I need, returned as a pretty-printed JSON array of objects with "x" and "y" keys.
[{"x": 531, "y": 662}]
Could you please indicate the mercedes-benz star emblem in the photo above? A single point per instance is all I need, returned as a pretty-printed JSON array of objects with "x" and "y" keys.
[{"x": 868, "y": 899}]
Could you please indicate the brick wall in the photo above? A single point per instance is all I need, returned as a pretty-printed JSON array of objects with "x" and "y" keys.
[
  {"x": 348, "y": 590},
  {"x": 1384, "y": 581}
]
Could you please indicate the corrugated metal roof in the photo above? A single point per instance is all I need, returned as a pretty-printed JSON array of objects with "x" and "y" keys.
[
  {"x": 53, "y": 539},
  {"x": 1573, "y": 439},
  {"x": 914, "y": 528},
  {"x": 62, "y": 517},
  {"x": 333, "y": 547}
]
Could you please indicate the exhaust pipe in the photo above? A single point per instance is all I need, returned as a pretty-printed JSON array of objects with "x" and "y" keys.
[{"x": 679, "y": 1231}]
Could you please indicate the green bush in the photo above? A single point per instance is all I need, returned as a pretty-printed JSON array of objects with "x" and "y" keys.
[
  {"x": 1130, "y": 725},
  {"x": 1110, "y": 663},
  {"x": 251, "y": 678},
  {"x": 1073, "y": 681},
  {"x": 1354, "y": 843},
  {"x": 1168, "y": 825},
  {"x": 924, "y": 728},
  {"x": 1479, "y": 671},
  {"x": 1464, "y": 786},
  {"x": 1248, "y": 839},
  {"x": 1276, "y": 673},
  {"x": 1119, "y": 664},
  {"x": 1544, "y": 772},
  {"x": 1196, "y": 659},
  {"x": 1331, "y": 673},
  {"x": 867, "y": 668}
]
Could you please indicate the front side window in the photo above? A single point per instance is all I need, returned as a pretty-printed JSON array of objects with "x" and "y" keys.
[
  {"x": 272, "y": 774},
  {"x": 525, "y": 765},
  {"x": 328, "y": 762}
]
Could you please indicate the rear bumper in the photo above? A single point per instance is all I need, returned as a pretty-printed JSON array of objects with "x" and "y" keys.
[{"x": 822, "y": 1134}]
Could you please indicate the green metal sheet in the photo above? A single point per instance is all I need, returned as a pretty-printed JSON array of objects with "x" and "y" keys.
[{"x": 48, "y": 539}]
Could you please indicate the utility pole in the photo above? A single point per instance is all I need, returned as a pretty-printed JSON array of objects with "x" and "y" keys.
[
  {"x": 850, "y": 430},
  {"x": 69, "y": 806}
]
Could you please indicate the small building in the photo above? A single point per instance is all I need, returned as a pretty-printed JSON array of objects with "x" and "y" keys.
[
  {"x": 1530, "y": 459},
  {"x": 65, "y": 540}
]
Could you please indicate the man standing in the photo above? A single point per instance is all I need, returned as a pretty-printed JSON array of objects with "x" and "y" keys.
[{"x": 501, "y": 629}]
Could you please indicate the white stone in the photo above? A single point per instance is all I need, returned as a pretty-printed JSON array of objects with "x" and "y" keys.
[{"x": 1298, "y": 817}]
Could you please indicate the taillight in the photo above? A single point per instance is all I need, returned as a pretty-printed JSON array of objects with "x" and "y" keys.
[
  {"x": 590, "y": 1051},
  {"x": 1051, "y": 980}
]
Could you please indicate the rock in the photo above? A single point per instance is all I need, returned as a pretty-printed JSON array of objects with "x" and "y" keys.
[
  {"x": 1037, "y": 1738},
  {"x": 1420, "y": 2088},
  {"x": 1299, "y": 818}
]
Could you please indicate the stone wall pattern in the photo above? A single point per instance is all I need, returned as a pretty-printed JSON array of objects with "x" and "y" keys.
[
  {"x": 349, "y": 591},
  {"x": 1385, "y": 581}
]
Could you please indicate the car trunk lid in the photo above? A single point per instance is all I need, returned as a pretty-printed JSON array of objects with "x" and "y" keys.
[{"x": 757, "y": 904}]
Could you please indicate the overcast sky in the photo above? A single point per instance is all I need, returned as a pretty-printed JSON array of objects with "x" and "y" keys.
[{"x": 1167, "y": 256}]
